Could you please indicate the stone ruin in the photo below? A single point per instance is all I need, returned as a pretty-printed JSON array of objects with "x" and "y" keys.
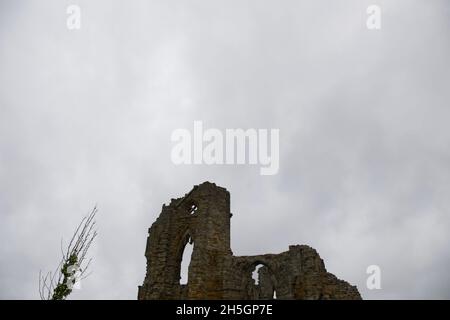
[{"x": 203, "y": 217}]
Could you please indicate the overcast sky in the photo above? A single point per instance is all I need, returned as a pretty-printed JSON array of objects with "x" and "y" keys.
[{"x": 86, "y": 118}]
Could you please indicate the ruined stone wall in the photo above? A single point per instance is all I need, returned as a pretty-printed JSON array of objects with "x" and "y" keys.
[{"x": 203, "y": 217}]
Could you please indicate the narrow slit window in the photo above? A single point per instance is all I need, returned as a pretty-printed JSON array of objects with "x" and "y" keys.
[{"x": 186, "y": 261}]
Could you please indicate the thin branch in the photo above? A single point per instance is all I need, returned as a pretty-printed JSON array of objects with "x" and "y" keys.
[{"x": 58, "y": 285}]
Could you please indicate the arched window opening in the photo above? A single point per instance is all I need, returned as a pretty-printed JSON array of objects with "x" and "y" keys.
[
  {"x": 186, "y": 261},
  {"x": 255, "y": 273},
  {"x": 261, "y": 284}
]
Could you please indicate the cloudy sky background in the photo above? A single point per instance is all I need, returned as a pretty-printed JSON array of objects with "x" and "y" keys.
[{"x": 86, "y": 118}]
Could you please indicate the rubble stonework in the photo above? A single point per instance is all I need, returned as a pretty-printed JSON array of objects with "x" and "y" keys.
[{"x": 203, "y": 217}]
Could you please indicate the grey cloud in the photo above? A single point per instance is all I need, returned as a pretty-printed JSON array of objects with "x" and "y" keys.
[{"x": 86, "y": 117}]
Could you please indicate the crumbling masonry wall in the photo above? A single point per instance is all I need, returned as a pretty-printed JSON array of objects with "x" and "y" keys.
[{"x": 203, "y": 217}]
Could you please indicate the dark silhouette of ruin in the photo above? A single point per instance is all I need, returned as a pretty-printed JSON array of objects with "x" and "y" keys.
[{"x": 203, "y": 217}]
